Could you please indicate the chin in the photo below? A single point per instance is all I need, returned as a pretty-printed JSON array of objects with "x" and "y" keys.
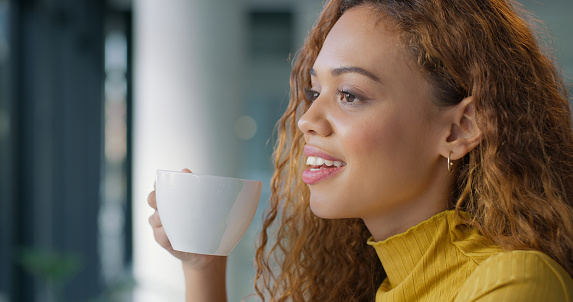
[
  {"x": 318, "y": 209},
  {"x": 325, "y": 210}
]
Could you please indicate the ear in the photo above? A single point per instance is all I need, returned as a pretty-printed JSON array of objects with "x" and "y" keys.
[{"x": 464, "y": 134}]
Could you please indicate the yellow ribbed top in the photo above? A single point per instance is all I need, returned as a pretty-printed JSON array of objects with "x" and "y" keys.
[{"x": 442, "y": 259}]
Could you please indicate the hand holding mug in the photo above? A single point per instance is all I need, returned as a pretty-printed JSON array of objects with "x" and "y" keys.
[
  {"x": 201, "y": 214},
  {"x": 195, "y": 261}
]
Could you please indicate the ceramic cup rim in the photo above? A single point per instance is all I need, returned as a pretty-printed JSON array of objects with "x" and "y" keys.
[{"x": 163, "y": 171}]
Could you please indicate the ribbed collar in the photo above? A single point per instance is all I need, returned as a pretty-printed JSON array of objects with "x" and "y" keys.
[{"x": 400, "y": 254}]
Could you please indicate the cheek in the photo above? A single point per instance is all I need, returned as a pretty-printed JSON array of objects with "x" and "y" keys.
[
  {"x": 372, "y": 151},
  {"x": 377, "y": 138},
  {"x": 388, "y": 150}
]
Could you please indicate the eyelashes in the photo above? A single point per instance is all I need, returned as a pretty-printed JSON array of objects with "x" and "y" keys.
[
  {"x": 310, "y": 95},
  {"x": 344, "y": 96},
  {"x": 348, "y": 97}
]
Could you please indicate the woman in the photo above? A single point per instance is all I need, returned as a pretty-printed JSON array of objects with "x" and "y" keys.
[{"x": 436, "y": 131}]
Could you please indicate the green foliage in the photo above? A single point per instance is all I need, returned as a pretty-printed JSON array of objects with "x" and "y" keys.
[
  {"x": 56, "y": 269},
  {"x": 51, "y": 266}
]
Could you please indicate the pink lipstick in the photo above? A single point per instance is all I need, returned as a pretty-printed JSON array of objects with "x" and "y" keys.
[{"x": 323, "y": 165}]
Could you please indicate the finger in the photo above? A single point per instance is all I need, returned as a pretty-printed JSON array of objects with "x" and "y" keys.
[
  {"x": 151, "y": 200},
  {"x": 186, "y": 170},
  {"x": 161, "y": 238},
  {"x": 155, "y": 221}
]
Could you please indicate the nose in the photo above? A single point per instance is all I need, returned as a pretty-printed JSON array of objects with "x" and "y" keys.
[{"x": 315, "y": 120}]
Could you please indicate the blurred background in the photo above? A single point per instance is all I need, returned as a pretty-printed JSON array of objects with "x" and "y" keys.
[{"x": 95, "y": 96}]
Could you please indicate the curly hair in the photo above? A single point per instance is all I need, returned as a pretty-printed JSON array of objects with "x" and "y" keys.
[{"x": 517, "y": 185}]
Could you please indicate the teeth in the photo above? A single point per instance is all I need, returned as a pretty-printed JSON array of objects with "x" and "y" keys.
[
  {"x": 317, "y": 161},
  {"x": 311, "y": 161}
]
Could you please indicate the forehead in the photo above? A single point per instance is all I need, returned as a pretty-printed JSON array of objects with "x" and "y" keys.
[{"x": 363, "y": 38}]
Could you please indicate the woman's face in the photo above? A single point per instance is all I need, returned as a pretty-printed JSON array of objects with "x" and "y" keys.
[{"x": 373, "y": 121}]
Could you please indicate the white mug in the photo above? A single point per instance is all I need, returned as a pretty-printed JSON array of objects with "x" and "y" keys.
[{"x": 205, "y": 214}]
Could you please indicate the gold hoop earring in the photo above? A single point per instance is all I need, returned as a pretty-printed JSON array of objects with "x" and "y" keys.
[{"x": 450, "y": 163}]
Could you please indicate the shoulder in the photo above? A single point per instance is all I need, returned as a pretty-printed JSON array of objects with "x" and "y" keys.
[{"x": 518, "y": 276}]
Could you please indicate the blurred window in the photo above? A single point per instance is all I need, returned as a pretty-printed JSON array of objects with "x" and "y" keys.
[
  {"x": 271, "y": 33},
  {"x": 115, "y": 209}
]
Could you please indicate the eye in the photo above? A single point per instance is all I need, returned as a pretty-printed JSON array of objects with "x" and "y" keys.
[
  {"x": 348, "y": 97},
  {"x": 311, "y": 95}
]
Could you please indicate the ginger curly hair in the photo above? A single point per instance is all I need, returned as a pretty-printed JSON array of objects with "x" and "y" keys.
[{"x": 517, "y": 185}]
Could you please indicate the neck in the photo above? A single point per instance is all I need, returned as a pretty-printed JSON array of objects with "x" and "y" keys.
[
  {"x": 411, "y": 212},
  {"x": 399, "y": 221}
]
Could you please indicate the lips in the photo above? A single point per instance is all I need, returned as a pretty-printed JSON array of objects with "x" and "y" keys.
[
  {"x": 323, "y": 165},
  {"x": 311, "y": 151}
]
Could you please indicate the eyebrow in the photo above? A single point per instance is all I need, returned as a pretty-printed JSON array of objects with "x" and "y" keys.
[{"x": 351, "y": 69}]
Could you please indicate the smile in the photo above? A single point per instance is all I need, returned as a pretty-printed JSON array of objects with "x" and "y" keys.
[
  {"x": 319, "y": 161},
  {"x": 321, "y": 169},
  {"x": 322, "y": 165}
]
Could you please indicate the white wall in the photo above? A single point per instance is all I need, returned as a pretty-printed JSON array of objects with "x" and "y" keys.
[{"x": 187, "y": 95}]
